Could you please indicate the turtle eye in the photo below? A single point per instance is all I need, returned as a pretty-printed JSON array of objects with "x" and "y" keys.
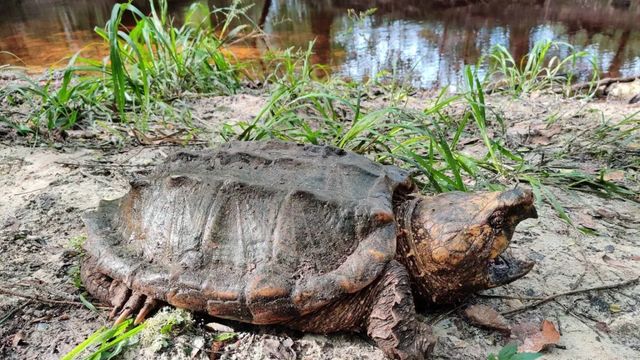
[{"x": 497, "y": 219}]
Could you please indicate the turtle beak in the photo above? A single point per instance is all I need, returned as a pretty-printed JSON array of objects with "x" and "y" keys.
[
  {"x": 505, "y": 269},
  {"x": 516, "y": 205}
]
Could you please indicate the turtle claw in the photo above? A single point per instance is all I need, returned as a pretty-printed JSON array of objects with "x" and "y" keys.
[
  {"x": 149, "y": 305},
  {"x": 134, "y": 303},
  {"x": 120, "y": 295}
]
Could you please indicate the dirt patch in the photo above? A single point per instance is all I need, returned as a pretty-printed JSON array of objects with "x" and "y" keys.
[{"x": 44, "y": 191}]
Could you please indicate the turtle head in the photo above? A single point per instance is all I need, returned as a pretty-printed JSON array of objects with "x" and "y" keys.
[{"x": 454, "y": 243}]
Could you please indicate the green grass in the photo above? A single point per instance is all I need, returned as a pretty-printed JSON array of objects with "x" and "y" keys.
[
  {"x": 306, "y": 109},
  {"x": 106, "y": 343},
  {"x": 510, "y": 352},
  {"x": 154, "y": 64},
  {"x": 149, "y": 67},
  {"x": 538, "y": 70},
  {"x": 156, "y": 60}
]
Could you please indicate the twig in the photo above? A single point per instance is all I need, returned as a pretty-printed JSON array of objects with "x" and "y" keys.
[
  {"x": 601, "y": 82},
  {"x": 510, "y": 297},
  {"x": 30, "y": 191},
  {"x": 572, "y": 292},
  {"x": 43, "y": 300},
  {"x": 105, "y": 165},
  {"x": 12, "y": 312},
  {"x": 579, "y": 316}
]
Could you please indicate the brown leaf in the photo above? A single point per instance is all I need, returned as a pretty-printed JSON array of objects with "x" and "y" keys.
[
  {"x": 485, "y": 316},
  {"x": 586, "y": 220},
  {"x": 547, "y": 335},
  {"x": 606, "y": 213},
  {"x": 216, "y": 348},
  {"x": 543, "y": 135},
  {"x": 614, "y": 176},
  {"x": 18, "y": 338}
]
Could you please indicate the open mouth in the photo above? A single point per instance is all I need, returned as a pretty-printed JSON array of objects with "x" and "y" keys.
[{"x": 506, "y": 268}]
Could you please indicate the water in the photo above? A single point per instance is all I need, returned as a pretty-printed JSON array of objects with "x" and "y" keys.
[{"x": 425, "y": 42}]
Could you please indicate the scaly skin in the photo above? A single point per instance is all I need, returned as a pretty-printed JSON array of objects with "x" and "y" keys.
[
  {"x": 449, "y": 242},
  {"x": 384, "y": 311}
]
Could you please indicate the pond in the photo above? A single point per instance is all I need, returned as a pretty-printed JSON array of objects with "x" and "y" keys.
[{"x": 425, "y": 42}]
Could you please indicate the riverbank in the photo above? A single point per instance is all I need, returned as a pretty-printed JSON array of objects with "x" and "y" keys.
[{"x": 46, "y": 186}]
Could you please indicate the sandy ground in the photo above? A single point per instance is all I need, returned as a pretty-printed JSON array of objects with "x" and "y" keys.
[{"x": 45, "y": 189}]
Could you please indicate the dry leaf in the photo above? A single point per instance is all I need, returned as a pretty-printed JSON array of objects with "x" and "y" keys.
[
  {"x": 617, "y": 175},
  {"x": 523, "y": 330},
  {"x": 214, "y": 326},
  {"x": 216, "y": 349},
  {"x": 586, "y": 220},
  {"x": 543, "y": 135},
  {"x": 606, "y": 213},
  {"x": 18, "y": 338},
  {"x": 485, "y": 316},
  {"x": 547, "y": 335},
  {"x": 198, "y": 345},
  {"x": 615, "y": 308},
  {"x": 613, "y": 262}
]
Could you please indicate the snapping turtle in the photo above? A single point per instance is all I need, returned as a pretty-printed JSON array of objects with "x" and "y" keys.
[{"x": 311, "y": 237}]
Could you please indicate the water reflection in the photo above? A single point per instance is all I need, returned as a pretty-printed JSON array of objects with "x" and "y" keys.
[{"x": 428, "y": 42}]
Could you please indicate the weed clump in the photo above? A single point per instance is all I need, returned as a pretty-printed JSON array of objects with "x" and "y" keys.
[
  {"x": 149, "y": 67},
  {"x": 163, "y": 326},
  {"x": 539, "y": 70}
]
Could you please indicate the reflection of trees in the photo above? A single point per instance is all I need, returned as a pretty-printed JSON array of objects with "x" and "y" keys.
[
  {"x": 462, "y": 30},
  {"x": 450, "y": 33},
  {"x": 618, "y": 58}
]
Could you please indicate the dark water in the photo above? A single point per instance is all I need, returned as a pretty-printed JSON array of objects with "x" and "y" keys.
[{"x": 428, "y": 42}]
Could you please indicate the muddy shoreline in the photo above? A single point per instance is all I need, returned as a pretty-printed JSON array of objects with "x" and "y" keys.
[{"x": 44, "y": 189}]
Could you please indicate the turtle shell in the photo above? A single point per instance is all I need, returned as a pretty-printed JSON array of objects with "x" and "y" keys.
[{"x": 261, "y": 232}]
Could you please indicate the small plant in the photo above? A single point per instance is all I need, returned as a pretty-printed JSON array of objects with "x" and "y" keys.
[
  {"x": 74, "y": 275},
  {"x": 61, "y": 102},
  {"x": 510, "y": 352},
  {"x": 76, "y": 242},
  {"x": 163, "y": 327},
  {"x": 358, "y": 17},
  {"x": 149, "y": 66},
  {"x": 538, "y": 69},
  {"x": 155, "y": 60},
  {"x": 106, "y": 343}
]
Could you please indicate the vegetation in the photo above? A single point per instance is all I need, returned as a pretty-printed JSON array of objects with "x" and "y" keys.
[
  {"x": 538, "y": 70},
  {"x": 106, "y": 343},
  {"x": 149, "y": 67},
  {"x": 155, "y": 64},
  {"x": 510, "y": 352},
  {"x": 305, "y": 109}
]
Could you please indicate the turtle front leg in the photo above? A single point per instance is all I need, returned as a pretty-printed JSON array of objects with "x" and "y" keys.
[
  {"x": 384, "y": 310},
  {"x": 110, "y": 291},
  {"x": 392, "y": 321}
]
